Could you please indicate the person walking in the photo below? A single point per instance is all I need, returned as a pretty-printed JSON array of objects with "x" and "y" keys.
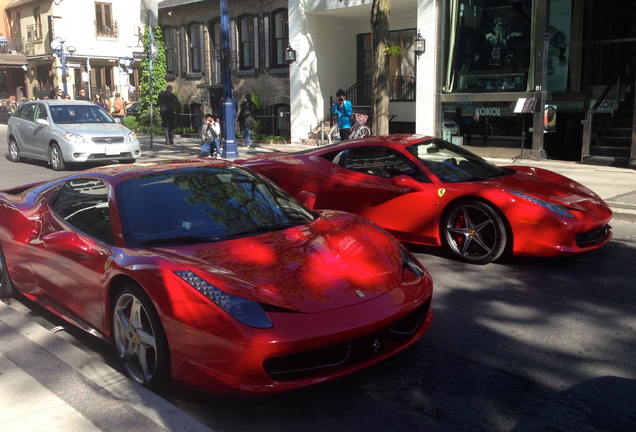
[
  {"x": 246, "y": 118},
  {"x": 210, "y": 132},
  {"x": 119, "y": 107},
  {"x": 100, "y": 101},
  {"x": 167, "y": 102},
  {"x": 343, "y": 109}
]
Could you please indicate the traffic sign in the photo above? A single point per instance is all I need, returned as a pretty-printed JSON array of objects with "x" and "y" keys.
[{"x": 138, "y": 56}]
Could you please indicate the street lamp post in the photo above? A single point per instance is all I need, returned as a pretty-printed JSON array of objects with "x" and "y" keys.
[
  {"x": 60, "y": 51},
  {"x": 228, "y": 107}
]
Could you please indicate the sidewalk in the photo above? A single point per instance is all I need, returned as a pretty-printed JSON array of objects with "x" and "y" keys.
[
  {"x": 617, "y": 186},
  {"x": 48, "y": 384}
]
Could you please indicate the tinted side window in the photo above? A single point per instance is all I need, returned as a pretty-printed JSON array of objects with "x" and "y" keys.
[
  {"x": 27, "y": 112},
  {"x": 83, "y": 204},
  {"x": 40, "y": 112}
]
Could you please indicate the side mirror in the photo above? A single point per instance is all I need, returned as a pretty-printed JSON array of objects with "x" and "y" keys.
[
  {"x": 41, "y": 121},
  {"x": 308, "y": 199},
  {"x": 68, "y": 241},
  {"x": 407, "y": 182}
]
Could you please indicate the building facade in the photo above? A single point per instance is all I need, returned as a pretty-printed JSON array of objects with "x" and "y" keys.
[
  {"x": 545, "y": 79},
  {"x": 258, "y": 40},
  {"x": 96, "y": 39}
]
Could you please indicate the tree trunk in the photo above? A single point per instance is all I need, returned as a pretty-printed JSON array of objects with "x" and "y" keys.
[{"x": 380, "y": 79}]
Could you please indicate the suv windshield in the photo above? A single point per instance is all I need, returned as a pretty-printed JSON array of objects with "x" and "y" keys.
[
  {"x": 203, "y": 204},
  {"x": 69, "y": 114}
]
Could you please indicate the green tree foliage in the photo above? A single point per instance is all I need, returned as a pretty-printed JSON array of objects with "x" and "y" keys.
[{"x": 158, "y": 77}]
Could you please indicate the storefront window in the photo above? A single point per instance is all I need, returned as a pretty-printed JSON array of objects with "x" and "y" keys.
[{"x": 492, "y": 46}]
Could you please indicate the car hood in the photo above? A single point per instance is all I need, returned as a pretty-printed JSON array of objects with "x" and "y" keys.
[
  {"x": 101, "y": 129},
  {"x": 549, "y": 186},
  {"x": 336, "y": 261}
]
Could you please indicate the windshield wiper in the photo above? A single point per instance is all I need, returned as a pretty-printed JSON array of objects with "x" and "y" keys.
[
  {"x": 263, "y": 229},
  {"x": 183, "y": 240}
]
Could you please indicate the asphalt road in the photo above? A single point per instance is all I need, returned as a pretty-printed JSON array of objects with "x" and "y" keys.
[{"x": 532, "y": 345}]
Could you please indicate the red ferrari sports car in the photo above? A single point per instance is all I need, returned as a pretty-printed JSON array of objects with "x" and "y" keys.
[
  {"x": 208, "y": 273},
  {"x": 428, "y": 191}
]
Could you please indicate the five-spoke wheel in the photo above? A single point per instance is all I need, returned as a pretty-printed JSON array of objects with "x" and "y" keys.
[
  {"x": 14, "y": 151},
  {"x": 56, "y": 160},
  {"x": 139, "y": 337},
  {"x": 6, "y": 289},
  {"x": 474, "y": 232}
]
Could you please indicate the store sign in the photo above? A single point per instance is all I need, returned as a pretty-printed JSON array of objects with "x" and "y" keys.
[
  {"x": 607, "y": 106},
  {"x": 488, "y": 111}
]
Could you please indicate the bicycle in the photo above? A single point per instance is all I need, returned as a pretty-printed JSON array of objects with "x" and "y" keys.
[{"x": 358, "y": 129}]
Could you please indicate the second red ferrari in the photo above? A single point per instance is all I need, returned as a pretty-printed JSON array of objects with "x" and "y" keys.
[{"x": 428, "y": 191}]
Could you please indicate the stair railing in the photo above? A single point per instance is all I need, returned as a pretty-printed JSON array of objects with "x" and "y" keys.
[{"x": 588, "y": 134}]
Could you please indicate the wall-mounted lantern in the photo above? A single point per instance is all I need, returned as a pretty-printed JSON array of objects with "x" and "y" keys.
[
  {"x": 419, "y": 45},
  {"x": 290, "y": 54}
]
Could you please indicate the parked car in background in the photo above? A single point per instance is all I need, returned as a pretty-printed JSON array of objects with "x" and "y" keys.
[
  {"x": 206, "y": 272},
  {"x": 63, "y": 132},
  {"x": 132, "y": 109},
  {"x": 426, "y": 190}
]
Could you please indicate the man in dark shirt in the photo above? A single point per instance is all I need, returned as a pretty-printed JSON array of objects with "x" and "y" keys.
[
  {"x": 82, "y": 95},
  {"x": 167, "y": 101}
]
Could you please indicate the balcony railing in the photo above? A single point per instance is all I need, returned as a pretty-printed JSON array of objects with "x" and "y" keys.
[
  {"x": 106, "y": 29},
  {"x": 11, "y": 45}
]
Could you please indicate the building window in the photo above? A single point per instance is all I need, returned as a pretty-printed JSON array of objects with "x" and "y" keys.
[
  {"x": 280, "y": 38},
  {"x": 246, "y": 42},
  {"x": 195, "y": 40},
  {"x": 401, "y": 67},
  {"x": 104, "y": 24},
  {"x": 216, "y": 71},
  {"x": 37, "y": 24},
  {"x": 170, "y": 46},
  {"x": 492, "y": 46}
]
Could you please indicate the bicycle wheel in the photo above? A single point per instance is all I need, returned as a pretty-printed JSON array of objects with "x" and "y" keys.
[{"x": 362, "y": 131}]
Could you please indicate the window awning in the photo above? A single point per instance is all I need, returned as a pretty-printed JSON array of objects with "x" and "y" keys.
[{"x": 12, "y": 60}]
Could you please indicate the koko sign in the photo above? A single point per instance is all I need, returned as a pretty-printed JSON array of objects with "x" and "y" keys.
[{"x": 488, "y": 111}]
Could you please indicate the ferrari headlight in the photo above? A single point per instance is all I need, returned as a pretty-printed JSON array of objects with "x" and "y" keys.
[
  {"x": 410, "y": 263},
  {"x": 132, "y": 137},
  {"x": 245, "y": 311},
  {"x": 556, "y": 208},
  {"x": 74, "y": 138}
]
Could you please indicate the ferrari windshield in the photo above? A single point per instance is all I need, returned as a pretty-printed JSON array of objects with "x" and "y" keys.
[
  {"x": 203, "y": 204},
  {"x": 69, "y": 114},
  {"x": 451, "y": 163}
]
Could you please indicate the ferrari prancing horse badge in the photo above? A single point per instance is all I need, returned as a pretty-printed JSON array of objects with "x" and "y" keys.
[{"x": 441, "y": 192}]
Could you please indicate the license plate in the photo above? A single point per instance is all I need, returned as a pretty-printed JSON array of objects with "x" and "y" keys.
[{"x": 112, "y": 150}]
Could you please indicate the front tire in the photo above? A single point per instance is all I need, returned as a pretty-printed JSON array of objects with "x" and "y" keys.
[
  {"x": 6, "y": 287},
  {"x": 14, "y": 151},
  {"x": 139, "y": 338},
  {"x": 473, "y": 231},
  {"x": 56, "y": 160}
]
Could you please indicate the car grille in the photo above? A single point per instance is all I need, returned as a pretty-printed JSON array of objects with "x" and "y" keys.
[
  {"x": 593, "y": 237},
  {"x": 108, "y": 140},
  {"x": 104, "y": 156},
  {"x": 339, "y": 357}
]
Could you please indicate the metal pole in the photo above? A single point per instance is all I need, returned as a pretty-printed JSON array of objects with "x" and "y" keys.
[
  {"x": 150, "y": 77},
  {"x": 228, "y": 107},
  {"x": 63, "y": 57},
  {"x": 88, "y": 71}
]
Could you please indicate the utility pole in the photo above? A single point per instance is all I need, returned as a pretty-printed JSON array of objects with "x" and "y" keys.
[{"x": 228, "y": 107}]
